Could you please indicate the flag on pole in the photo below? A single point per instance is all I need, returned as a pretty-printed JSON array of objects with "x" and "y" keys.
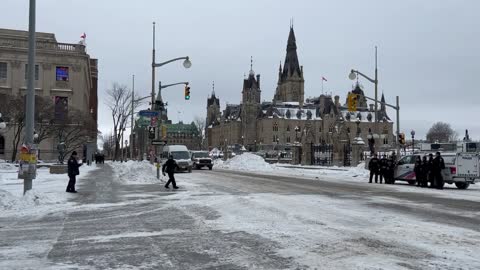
[
  {"x": 84, "y": 36},
  {"x": 323, "y": 79}
]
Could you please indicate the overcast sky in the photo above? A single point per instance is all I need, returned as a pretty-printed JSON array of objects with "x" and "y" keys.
[{"x": 428, "y": 51}]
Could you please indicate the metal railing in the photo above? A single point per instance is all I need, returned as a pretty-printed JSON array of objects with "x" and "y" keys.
[{"x": 43, "y": 45}]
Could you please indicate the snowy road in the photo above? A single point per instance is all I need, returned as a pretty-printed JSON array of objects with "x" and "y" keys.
[{"x": 237, "y": 220}]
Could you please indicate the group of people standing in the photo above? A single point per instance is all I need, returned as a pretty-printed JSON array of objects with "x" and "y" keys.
[
  {"x": 384, "y": 167},
  {"x": 430, "y": 171},
  {"x": 426, "y": 170}
]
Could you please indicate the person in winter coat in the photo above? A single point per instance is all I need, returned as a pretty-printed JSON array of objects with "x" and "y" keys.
[
  {"x": 429, "y": 170},
  {"x": 73, "y": 171},
  {"x": 418, "y": 170},
  {"x": 390, "y": 170},
  {"x": 383, "y": 169},
  {"x": 169, "y": 167},
  {"x": 437, "y": 166},
  {"x": 424, "y": 182},
  {"x": 374, "y": 167}
]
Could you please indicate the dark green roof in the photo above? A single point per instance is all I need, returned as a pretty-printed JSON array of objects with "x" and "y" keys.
[{"x": 182, "y": 128}]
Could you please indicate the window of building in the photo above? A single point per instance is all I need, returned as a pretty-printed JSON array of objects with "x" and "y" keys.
[
  {"x": 36, "y": 72},
  {"x": 275, "y": 127},
  {"x": 3, "y": 70},
  {"x": 288, "y": 139},
  {"x": 288, "y": 128},
  {"x": 62, "y": 74}
]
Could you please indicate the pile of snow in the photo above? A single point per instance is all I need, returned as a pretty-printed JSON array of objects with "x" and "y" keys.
[
  {"x": 135, "y": 172},
  {"x": 32, "y": 198},
  {"x": 246, "y": 162}
]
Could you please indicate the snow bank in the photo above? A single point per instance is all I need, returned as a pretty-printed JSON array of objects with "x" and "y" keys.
[
  {"x": 135, "y": 172},
  {"x": 246, "y": 162}
]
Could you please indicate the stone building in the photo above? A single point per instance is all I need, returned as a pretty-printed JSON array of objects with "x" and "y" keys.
[
  {"x": 64, "y": 72},
  {"x": 290, "y": 121}
]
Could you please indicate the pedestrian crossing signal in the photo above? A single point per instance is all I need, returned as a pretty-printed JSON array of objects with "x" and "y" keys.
[
  {"x": 187, "y": 92},
  {"x": 151, "y": 132},
  {"x": 352, "y": 102}
]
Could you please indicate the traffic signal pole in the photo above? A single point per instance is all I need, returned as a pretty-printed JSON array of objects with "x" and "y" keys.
[{"x": 397, "y": 108}]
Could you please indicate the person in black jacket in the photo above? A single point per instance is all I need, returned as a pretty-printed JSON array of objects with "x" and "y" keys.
[
  {"x": 418, "y": 170},
  {"x": 73, "y": 171},
  {"x": 169, "y": 167},
  {"x": 374, "y": 167},
  {"x": 437, "y": 166},
  {"x": 429, "y": 170},
  {"x": 383, "y": 169},
  {"x": 424, "y": 182},
  {"x": 390, "y": 174}
]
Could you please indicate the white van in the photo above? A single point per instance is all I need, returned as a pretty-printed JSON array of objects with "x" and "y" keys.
[{"x": 180, "y": 154}]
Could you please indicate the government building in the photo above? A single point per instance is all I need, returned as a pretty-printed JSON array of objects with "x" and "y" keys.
[
  {"x": 321, "y": 128},
  {"x": 65, "y": 79}
]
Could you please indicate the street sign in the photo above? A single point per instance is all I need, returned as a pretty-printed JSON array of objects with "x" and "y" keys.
[
  {"x": 143, "y": 121},
  {"x": 147, "y": 113},
  {"x": 159, "y": 142}
]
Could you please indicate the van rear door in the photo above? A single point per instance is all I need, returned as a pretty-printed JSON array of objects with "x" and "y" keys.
[{"x": 467, "y": 165}]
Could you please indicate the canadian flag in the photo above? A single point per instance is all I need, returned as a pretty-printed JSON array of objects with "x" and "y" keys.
[
  {"x": 323, "y": 79},
  {"x": 84, "y": 36}
]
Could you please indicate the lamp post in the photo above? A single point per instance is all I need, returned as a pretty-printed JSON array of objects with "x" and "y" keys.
[
  {"x": 353, "y": 75},
  {"x": 255, "y": 143},
  {"x": 413, "y": 140},
  {"x": 186, "y": 64},
  {"x": 297, "y": 129}
]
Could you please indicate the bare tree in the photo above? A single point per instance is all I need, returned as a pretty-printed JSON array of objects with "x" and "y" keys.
[
  {"x": 119, "y": 101},
  {"x": 73, "y": 131},
  {"x": 441, "y": 132},
  {"x": 14, "y": 114},
  {"x": 200, "y": 125},
  {"x": 44, "y": 118}
]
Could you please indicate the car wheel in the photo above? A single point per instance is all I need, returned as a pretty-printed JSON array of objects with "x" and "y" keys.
[
  {"x": 189, "y": 169},
  {"x": 197, "y": 167},
  {"x": 210, "y": 168},
  {"x": 462, "y": 185},
  {"x": 411, "y": 182}
]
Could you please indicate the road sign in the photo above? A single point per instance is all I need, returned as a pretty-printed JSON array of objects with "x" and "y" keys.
[
  {"x": 143, "y": 121},
  {"x": 147, "y": 113},
  {"x": 159, "y": 142}
]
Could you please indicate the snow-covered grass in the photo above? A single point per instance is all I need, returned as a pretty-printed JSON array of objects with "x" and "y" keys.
[{"x": 47, "y": 194}]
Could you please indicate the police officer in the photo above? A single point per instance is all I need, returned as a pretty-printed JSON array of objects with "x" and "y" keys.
[
  {"x": 169, "y": 167},
  {"x": 424, "y": 172},
  {"x": 429, "y": 171},
  {"x": 383, "y": 169},
  {"x": 418, "y": 170},
  {"x": 374, "y": 167},
  {"x": 438, "y": 165},
  {"x": 390, "y": 168},
  {"x": 73, "y": 171}
]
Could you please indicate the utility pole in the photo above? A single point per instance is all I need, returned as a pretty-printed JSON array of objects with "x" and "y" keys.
[
  {"x": 30, "y": 108},
  {"x": 153, "y": 69},
  {"x": 132, "y": 140},
  {"x": 376, "y": 91}
]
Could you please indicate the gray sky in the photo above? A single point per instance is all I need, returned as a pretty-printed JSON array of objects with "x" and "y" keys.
[{"x": 428, "y": 50}]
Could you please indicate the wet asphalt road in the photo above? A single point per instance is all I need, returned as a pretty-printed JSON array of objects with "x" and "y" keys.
[{"x": 95, "y": 235}]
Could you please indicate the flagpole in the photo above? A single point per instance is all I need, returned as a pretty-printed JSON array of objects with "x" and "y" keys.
[{"x": 322, "y": 85}]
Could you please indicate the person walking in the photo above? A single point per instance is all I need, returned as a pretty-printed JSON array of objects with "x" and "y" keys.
[
  {"x": 73, "y": 171},
  {"x": 383, "y": 169},
  {"x": 169, "y": 167},
  {"x": 418, "y": 170},
  {"x": 374, "y": 167},
  {"x": 438, "y": 165},
  {"x": 424, "y": 172}
]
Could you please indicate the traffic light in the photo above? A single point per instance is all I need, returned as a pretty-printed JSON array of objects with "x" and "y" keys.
[
  {"x": 401, "y": 138},
  {"x": 164, "y": 131},
  {"x": 151, "y": 132},
  {"x": 187, "y": 92},
  {"x": 352, "y": 101}
]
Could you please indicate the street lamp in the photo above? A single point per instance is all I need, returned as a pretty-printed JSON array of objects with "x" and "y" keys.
[
  {"x": 297, "y": 129},
  {"x": 353, "y": 75},
  {"x": 186, "y": 64},
  {"x": 413, "y": 140},
  {"x": 358, "y": 126}
]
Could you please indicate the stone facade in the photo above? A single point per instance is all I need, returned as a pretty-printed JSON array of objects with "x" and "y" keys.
[
  {"x": 62, "y": 70},
  {"x": 290, "y": 121}
]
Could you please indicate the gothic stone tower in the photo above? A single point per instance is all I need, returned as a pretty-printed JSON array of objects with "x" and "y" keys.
[
  {"x": 250, "y": 108},
  {"x": 290, "y": 81},
  {"x": 213, "y": 112}
]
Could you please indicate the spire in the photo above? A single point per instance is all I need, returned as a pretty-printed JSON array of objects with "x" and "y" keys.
[
  {"x": 291, "y": 65},
  {"x": 382, "y": 105},
  {"x": 213, "y": 88},
  {"x": 251, "y": 73}
]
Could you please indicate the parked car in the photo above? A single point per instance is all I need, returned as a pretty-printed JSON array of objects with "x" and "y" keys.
[
  {"x": 461, "y": 169},
  {"x": 180, "y": 154},
  {"x": 201, "y": 159}
]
